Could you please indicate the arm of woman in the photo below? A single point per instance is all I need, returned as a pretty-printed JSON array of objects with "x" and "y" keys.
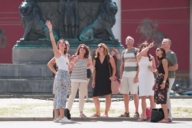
[
  {"x": 112, "y": 62},
  {"x": 93, "y": 75},
  {"x": 50, "y": 65},
  {"x": 165, "y": 67},
  {"x": 144, "y": 50},
  {"x": 55, "y": 49},
  {"x": 153, "y": 67},
  {"x": 89, "y": 62}
]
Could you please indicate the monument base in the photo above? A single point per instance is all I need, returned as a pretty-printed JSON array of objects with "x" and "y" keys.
[{"x": 40, "y": 52}]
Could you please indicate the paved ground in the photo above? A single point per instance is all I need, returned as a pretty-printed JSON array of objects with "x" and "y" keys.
[{"x": 123, "y": 124}]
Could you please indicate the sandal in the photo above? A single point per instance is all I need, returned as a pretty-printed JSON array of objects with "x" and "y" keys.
[
  {"x": 104, "y": 115},
  {"x": 164, "y": 121},
  {"x": 82, "y": 115},
  {"x": 142, "y": 119},
  {"x": 125, "y": 115},
  {"x": 95, "y": 115},
  {"x": 136, "y": 115},
  {"x": 170, "y": 120}
]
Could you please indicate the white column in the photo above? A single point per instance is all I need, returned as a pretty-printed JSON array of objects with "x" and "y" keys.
[
  {"x": 117, "y": 27},
  {"x": 190, "y": 57}
]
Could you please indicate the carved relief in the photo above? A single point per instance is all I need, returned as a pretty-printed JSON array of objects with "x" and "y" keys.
[{"x": 149, "y": 32}]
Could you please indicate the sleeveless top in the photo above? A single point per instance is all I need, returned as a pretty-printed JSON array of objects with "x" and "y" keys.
[
  {"x": 79, "y": 72},
  {"x": 160, "y": 68},
  {"x": 62, "y": 63}
]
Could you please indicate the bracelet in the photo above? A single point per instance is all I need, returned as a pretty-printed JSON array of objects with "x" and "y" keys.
[{"x": 164, "y": 81}]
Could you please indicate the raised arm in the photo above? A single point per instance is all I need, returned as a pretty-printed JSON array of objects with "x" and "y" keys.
[
  {"x": 55, "y": 49},
  {"x": 50, "y": 65},
  {"x": 144, "y": 50}
]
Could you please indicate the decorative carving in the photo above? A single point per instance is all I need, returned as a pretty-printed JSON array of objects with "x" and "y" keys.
[
  {"x": 3, "y": 39},
  {"x": 103, "y": 23},
  {"x": 68, "y": 18},
  {"x": 35, "y": 28},
  {"x": 149, "y": 32}
]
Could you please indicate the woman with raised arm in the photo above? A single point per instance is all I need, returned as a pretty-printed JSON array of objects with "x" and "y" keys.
[
  {"x": 146, "y": 64},
  {"x": 62, "y": 77}
]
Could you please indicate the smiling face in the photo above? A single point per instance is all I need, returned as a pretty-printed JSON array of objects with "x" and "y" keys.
[{"x": 82, "y": 49}]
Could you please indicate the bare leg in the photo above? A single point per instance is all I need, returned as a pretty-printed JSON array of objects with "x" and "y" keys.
[
  {"x": 97, "y": 105},
  {"x": 152, "y": 103},
  {"x": 56, "y": 113},
  {"x": 136, "y": 102},
  {"x": 143, "y": 105},
  {"x": 107, "y": 104},
  {"x": 126, "y": 102},
  {"x": 165, "y": 111},
  {"x": 61, "y": 113}
]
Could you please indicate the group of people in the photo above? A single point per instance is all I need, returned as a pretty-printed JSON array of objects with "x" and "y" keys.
[{"x": 136, "y": 75}]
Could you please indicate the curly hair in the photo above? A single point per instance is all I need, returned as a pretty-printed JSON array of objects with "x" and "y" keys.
[
  {"x": 105, "y": 48},
  {"x": 86, "y": 50},
  {"x": 140, "y": 49}
]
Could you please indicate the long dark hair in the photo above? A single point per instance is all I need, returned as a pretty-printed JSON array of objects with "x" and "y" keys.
[
  {"x": 141, "y": 46},
  {"x": 163, "y": 54}
]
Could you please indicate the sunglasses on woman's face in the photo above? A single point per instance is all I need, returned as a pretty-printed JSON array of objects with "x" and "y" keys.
[
  {"x": 157, "y": 50},
  {"x": 99, "y": 46},
  {"x": 82, "y": 47}
]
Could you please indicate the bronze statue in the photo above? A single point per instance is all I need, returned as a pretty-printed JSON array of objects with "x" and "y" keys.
[
  {"x": 103, "y": 23},
  {"x": 69, "y": 23},
  {"x": 3, "y": 39},
  {"x": 32, "y": 22}
]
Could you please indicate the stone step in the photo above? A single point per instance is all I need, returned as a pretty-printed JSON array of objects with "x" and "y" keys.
[
  {"x": 24, "y": 71},
  {"x": 26, "y": 85}
]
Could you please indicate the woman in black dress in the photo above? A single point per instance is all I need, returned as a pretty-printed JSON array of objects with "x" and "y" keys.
[
  {"x": 162, "y": 84},
  {"x": 101, "y": 83}
]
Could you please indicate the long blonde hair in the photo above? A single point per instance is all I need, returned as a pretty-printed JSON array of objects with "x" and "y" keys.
[{"x": 105, "y": 48}]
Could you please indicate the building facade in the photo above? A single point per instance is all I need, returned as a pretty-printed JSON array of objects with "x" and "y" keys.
[{"x": 142, "y": 19}]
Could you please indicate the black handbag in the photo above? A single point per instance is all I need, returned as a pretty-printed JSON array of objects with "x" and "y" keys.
[{"x": 157, "y": 115}]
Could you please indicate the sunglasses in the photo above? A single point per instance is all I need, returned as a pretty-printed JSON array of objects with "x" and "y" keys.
[
  {"x": 82, "y": 47},
  {"x": 100, "y": 47},
  {"x": 157, "y": 50},
  {"x": 144, "y": 46}
]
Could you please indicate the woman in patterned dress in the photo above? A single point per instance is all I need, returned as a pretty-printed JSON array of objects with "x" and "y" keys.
[{"x": 162, "y": 84}]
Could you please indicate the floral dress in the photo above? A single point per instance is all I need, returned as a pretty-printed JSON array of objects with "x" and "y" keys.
[{"x": 160, "y": 95}]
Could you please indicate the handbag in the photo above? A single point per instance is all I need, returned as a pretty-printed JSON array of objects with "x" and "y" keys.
[
  {"x": 157, "y": 114},
  {"x": 148, "y": 113},
  {"x": 115, "y": 84},
  {"x": 67, "y": 113}
]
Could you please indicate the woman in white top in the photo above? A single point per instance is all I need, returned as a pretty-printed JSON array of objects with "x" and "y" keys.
[
  {"x": 62, "y": 77},
  {"x": 146, "y": 77},
  {"x": 79, "y": 63}
]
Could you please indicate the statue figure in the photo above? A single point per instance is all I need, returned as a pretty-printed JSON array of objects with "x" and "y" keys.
[
  {"x": 103, "y": 23},
  {"x": 3, "y": 39},
  {"x": 69, "y": 23},
  {"x": 32, "y": 22},
  {"x": 149, "y": 32}
]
